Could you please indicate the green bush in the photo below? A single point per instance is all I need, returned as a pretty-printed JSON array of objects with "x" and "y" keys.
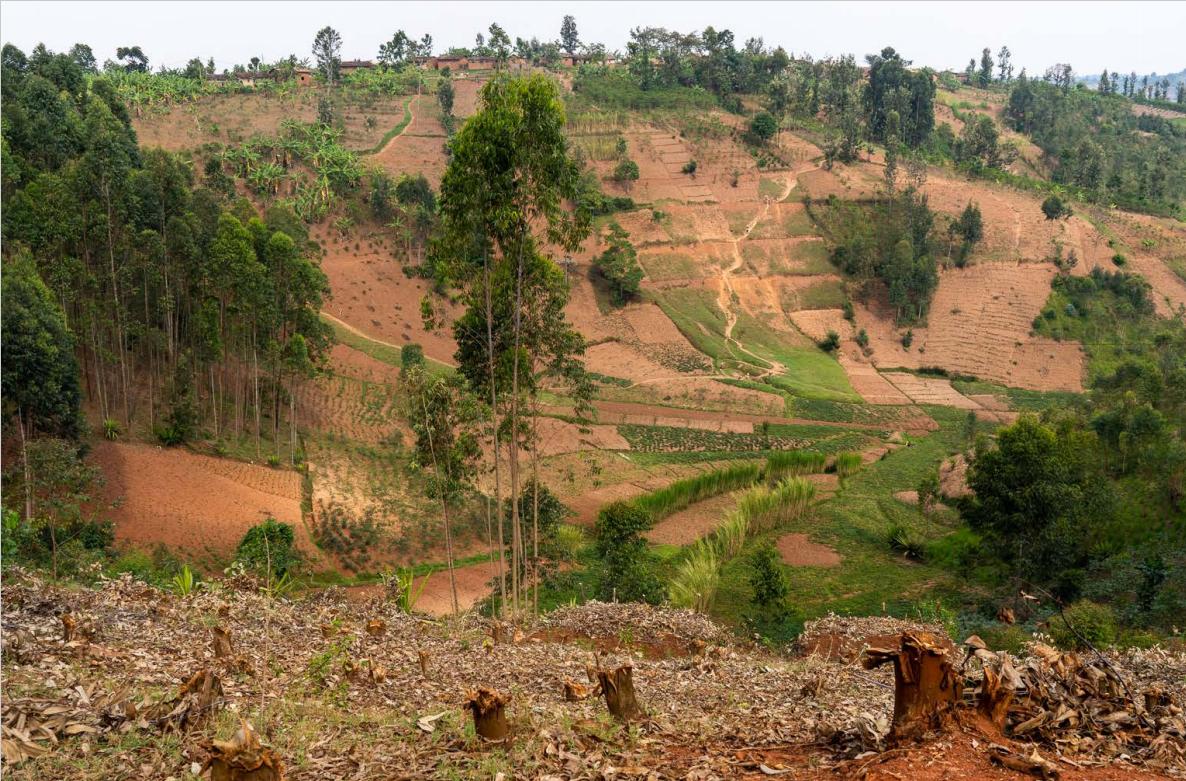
[
  {"x": 766, "y": 579},
  {"x": 411, "y": 356},
  {"x": 1005, "y": 637},
  {"x": 270, "y": 541},
  {"x": 829, "y": 343},
  {"x": 1084, "y": 620},
  {"x": 625, "y": 561}
]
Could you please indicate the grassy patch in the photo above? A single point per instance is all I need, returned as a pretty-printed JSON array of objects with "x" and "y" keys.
[
  {"x": 870, "y": 577},
  {"x": 1019, "y": 398},
  {"x": 825, "y": 294},
  {"x": 769, "y": 188},
  {"x": 395, "y": 131},
  {"x": 662, "y": 266},
  {"x": 809, "y": 371}
]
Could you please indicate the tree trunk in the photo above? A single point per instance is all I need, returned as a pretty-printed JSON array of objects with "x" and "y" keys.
[
  {"x": 443, "y": 487},
  {"x": 20, "y": 421},
  {"x": 618, "y": 688},
  {"x": 926, "y": 686},
  {"x": 516, "y": 527},
  {"x": 535, "y": 507},
  {"x": 489, "y": 711},
  {"x": 495, "y": 424}
]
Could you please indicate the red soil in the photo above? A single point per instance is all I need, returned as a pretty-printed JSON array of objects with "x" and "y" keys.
[
  {"x": 194, "y": 504},
  {"x": 687, "y": 526},
  {"x": 798, "y": 551},
  {"x": 372, "y": 293}
]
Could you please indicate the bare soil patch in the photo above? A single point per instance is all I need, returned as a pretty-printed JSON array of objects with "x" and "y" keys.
[
  {"x": 687, "y": 526},
  {"x": 372, "y": 293},
  {"x": 559, "y": 436},
  {"x": 798, "y": 551},
  {"x": 194, "y": 504}
]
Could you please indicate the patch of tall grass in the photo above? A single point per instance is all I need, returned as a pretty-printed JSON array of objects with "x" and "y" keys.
[
  {"x": 696, "y": 581},
  {"x": 766, "y": 508},
  {"x": 788, "y": 463},
  {"x": 686, "y": 492},
  {"x": 847, "y": 463}
]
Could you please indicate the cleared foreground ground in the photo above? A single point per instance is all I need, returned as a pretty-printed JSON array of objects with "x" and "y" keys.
[{"x": 336, "y": 701}]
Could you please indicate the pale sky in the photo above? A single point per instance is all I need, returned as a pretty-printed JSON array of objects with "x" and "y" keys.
[{"x": 1126, "y": 36}]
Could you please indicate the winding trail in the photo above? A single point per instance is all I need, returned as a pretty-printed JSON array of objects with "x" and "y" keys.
[
  {"x": 727, "y": 295},
  {"x": 411, "y": 115}
]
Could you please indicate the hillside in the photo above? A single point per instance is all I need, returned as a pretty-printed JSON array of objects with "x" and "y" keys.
[
  {"x": 350, "y": 390},
  {"x": 332, "y": 699}
]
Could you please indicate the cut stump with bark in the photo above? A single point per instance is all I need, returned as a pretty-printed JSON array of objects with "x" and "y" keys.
[
  {"x": 69, "y": 627},
  {"x": 376, "y": 627},
  {"x": 926, "y": 686},
  {"x": 221, "y": 642},
  {"x": 489, "y": 711},
  {"x": 618, "y": 688},
  {"x": 995, "y": 698},
  {"x": 243, "y": 759},
  {"x": 423, "y": 657}
]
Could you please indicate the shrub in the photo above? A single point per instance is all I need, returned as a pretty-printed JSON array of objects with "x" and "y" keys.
[
  {"x": 411, "y": 356},
  {"x": 862, "y": 338},
  {"x": 625, "y": 172},
  {"x": 904, "y": 541},
  {"x": 1084, "y": 621},
  {"x": 625, "y": 560},
  {"x": 1119, "y": 259},
  {"x": 829, "y": 343},
  {"x": 1054, "y": 208},
  {"x": 908, "y": 338},
  {"x": 766, "y": 580},
  {"x": 689, "y": 168},
  {"x": 849, "y": 312},
  {"x": 111, "y": 429},
  {"x": 695, "y": 582},
  {"x": 268, "y": 542}
]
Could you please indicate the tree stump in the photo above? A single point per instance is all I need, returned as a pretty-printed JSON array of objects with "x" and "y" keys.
[
  {"x": 423, "y": 657},
  {"x": 995, "y": 698},
  {"x": 243, "y": 759},
  {"x": 488, "y": 709},
  {"x": 221, "y": 641},
  {"x": 69, "y": 627},
  {"x": 203, "y": 691},
  {"x": 618, "y": 688},
  {"x": 376, "y": 627},
  {"x": 577, "y": 692},
  {"x": 926, "y": 686}
]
